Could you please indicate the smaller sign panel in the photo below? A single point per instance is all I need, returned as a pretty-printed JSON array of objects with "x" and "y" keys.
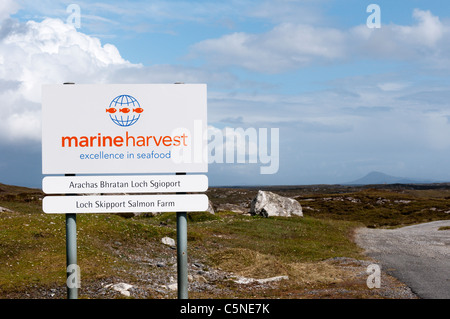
[
  {"x": 124, "y": 184},
  {"x": 125, "y": 204}
]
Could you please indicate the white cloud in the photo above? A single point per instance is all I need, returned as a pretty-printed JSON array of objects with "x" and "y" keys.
[
  {"x": 392, "y": 86},
  {"x": 7, "y": 7},
  {"x": 424, "y": 41},
  {"x": 289, "y": 46},
  {"x": 428, "y": 31},
  {"x": 114, "y": 17},
  {"x": 25, "y": 125},
  {"x": 37, "y": 53},
  {"x": 307, "y": 11},
  {"x": 51, "y": 52},
  {"x": 285, "y": 46}
]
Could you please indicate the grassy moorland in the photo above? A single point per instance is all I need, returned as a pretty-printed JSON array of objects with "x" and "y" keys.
[{"x": 315, "y": 254}]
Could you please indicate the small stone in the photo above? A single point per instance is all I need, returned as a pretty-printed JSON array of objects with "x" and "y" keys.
[
  {"x": 121, "y": 287},
  {"x": 173, "y": 286},
  {"x": 168, "y": 241},
  {"x": 200, "y": 279}
]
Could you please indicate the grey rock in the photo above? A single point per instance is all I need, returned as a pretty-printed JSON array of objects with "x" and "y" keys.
[
  {"x": 172, "y": 287},
  {"x": 245, "y": 280},
  {"x": 168, "y": 241},
  {"x": 121, "y": 287},
  {"x": 210, "y": 208},
  {"x": 269, "y": 204},
  {"x": 5, "y": 210},
  {"x": 199, "y": 279}
]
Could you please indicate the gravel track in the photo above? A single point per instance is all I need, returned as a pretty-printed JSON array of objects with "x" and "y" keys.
[{"x": 417, "y": 255}]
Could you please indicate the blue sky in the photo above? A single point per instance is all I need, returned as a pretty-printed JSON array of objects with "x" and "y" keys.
[{"x": 347, "y": 99}]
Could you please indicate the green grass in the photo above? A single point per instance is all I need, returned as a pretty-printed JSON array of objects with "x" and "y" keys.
[
  {"x": 288, "y": 239},
  {"x": 32, "y": 244}
]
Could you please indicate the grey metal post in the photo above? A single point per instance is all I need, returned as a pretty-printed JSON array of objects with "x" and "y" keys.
[
  {"x": 182, "y": 261},
  {"x": 71, "y": 256},
  {"x": 71, "y": 250},
  {"x": 72, "y": 270}
]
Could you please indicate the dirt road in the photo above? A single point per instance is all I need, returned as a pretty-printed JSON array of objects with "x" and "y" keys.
[{"x": 417, "y": 255}]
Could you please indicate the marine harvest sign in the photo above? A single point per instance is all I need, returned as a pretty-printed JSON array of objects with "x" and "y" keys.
[{"x": 126, "y": 128}]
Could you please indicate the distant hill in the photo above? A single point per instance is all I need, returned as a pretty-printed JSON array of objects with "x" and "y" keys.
[
  {"x": 381, "y": 178},
  {"x": 11, "y": 189}
]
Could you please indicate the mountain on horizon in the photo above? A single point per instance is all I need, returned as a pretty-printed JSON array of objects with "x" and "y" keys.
[{"x": 381, "y": 178}]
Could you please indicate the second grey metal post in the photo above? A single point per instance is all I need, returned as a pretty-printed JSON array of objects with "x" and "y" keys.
[{"x": 182, "y": 261}]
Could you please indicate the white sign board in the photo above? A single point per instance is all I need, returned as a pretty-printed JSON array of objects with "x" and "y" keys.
[
  {"x": 124, "y": 203},
  {"x": 124, "y": 128},
  {"x": 124, "y": 184}
]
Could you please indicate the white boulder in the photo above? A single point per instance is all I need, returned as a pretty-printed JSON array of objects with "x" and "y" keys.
[{"x": 269, "y": 204}]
